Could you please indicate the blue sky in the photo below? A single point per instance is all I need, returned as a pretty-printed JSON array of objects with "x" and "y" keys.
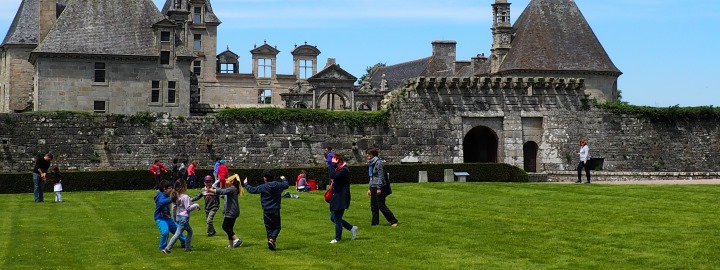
[{"x": 667, "y": 49}]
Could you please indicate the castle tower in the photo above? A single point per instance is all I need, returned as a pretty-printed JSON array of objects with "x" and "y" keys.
[
  {"x": 502, "y": 34},
  {"x": 199, "y": 34}
]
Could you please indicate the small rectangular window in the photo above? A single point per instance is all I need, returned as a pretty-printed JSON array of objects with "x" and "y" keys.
[
  {"x": 197, "y": 15},
  {"x": 99, "y": 106},
  {"x": 100, "y": 72},
  {"x": 306, "y": 69},
  {"x": 171, "y": 92},
  {"x": 165, "y": 36},
  {"x": 227, "y": 68},
  {"x": 155, "y": 92},
  {"x": 197, "y": 45},
  {"x": 264, "y": 68},
  {"x": 265, "y": 96},
  {"x": 165, "y": 58},
  {"x": 197, "y": 67}
]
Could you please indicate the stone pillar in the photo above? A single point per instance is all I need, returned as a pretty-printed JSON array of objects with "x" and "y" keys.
[
  {"x": 449, "y": 176},
  {"x": 422, "y": 177}
]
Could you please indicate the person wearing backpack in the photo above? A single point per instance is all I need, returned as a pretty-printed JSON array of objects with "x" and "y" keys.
[{"x": 378, "y": 189}]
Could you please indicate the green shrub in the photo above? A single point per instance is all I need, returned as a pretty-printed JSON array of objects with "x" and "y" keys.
[
  {"x": 142, "y": 180},
  {"x": 277, "y": 115},
  {"x": 669, "y": 115}
]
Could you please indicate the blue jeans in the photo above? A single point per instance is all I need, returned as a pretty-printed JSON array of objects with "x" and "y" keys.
[
  {"x": 39, "y": 187},
  {"x": 183, "y": 224},
  {"x": 165, "y": 226},
  {"x": 336, "y": 217}
]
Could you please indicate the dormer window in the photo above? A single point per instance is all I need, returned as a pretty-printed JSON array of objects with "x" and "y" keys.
[
  {"x": 306, "y": 69},
  {"x": 165, "y": 58},
  {"x": 164, "y": 36},
  {"x": 264, "y": 68},
  {"x": 197, "y": 15}
]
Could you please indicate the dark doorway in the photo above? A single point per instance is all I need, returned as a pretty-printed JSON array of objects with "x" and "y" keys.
[
  {"x": 530, "y": 156},
  {"x": 480, "y": 145}
]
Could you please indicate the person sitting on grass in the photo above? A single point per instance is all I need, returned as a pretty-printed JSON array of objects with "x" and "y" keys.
[
  {"x": 302, "y": 183},
  {"x": 182, "y": 208},
  {"x": 212, "y": 204},
  {"x": 231, "y": 210},
  {"x": 162, "y": 215},
  {"x": 270, "y": 198}
]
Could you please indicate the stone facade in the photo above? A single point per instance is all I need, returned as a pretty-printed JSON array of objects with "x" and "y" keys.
[
  {"x": 68, "y": 84},
  {"x": 16, "y": 78}
]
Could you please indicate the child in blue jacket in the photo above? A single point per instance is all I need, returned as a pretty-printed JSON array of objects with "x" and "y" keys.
[
  {"x": 163, "y": 219},
  {"x": 270, "y": 198}
]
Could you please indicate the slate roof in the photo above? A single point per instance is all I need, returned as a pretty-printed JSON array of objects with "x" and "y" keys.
[
  {"x": 553, "y": 35},
  {"x": 395, "y": 75},
  {"x": 209, "y": 14},
  {"x": 114, "y": 27},
  {"x": 24, "y": 29}
]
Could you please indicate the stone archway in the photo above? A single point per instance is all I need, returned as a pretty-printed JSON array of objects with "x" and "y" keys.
[
  {"x": 332, "y": 101},
  {"x": 480, "y": 145},
  {"x": 530, "y": 150}
]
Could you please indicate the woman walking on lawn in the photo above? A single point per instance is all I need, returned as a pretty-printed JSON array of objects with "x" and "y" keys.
[
  {"x": 270, "y": 198},
  {"x": 231, "y": 210},
  {"x": 340, "y": 200},
  {"x": 377, "y": 189},
  {"x": 181, "y": 208},
  {"x": 584, "y": 155},
  {"x": 162, "y": 214}
]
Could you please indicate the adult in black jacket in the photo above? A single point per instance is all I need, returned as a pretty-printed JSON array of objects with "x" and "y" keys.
[
  {"x": 42, "y": 164},
  {"x": 340, "y": 200}
]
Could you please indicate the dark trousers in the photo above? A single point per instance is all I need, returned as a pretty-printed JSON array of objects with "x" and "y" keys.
[
  {"x": 228, "y": 224},
  {"x": 157, "y": 181},
  {"x": 272, "y": 224},
  {"x": 340, "y": 223},
  {"x": 191, "y": 181},
  {"x": 377, "y": 204},
  {"x": 580, "y": 166}
]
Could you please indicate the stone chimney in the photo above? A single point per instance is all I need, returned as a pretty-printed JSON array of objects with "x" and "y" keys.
[
  {"x": 330, "y": 62},
  {"x": 443, "y": 56},
  {"x": 478, "y": 62},
  {"x": 48, "y": 16}
]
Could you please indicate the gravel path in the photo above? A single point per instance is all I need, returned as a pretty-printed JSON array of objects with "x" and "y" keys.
[{"x": 653, "y": 182}]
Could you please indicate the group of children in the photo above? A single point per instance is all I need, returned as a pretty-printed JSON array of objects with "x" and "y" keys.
[{"x": 173, "y": 199}]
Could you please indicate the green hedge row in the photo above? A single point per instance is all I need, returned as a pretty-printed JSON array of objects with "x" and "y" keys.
[{"x": 142, "y": 180}]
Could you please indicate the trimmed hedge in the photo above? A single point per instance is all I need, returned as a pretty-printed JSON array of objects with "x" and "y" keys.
[{"x": 142, "y": 180}]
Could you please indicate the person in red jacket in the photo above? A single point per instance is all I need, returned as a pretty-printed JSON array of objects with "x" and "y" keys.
[
  {"x": 157, "y": 169},
  {"x": 191, "y": 173},
  {"x": 222, "y": 173}
]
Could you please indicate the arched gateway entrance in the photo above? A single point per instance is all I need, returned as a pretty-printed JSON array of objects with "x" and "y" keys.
[{"x": 480, "y": 145}]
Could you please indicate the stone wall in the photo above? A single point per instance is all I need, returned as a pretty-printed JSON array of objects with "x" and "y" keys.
[
  {"x": 416, "y": 133},
  {"x": 16, "y": 78}
]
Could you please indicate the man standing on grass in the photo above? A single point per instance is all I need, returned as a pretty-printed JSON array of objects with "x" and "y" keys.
[{"x": 42, "y": 164}]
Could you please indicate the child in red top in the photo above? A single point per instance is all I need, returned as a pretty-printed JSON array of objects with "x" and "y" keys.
[{"x": 157, "y": 169}]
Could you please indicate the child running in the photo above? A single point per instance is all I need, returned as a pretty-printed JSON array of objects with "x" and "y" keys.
[
  {"x": 181, "y": 209},
  {"x": 231, "y": 210},
  {"x": 270, "y": 198},
  {"x": 57, "y": 183},
  {"x": 212, "y": 204},
  {"x": 162, "y": 215}
]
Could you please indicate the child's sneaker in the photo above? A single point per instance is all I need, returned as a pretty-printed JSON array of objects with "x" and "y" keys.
[
  {"x": 237, "y": 243},
  {"x": 271, "y": 245},
  {"x": 333, "y": 241},
  {"x": 165, "y": 251}
]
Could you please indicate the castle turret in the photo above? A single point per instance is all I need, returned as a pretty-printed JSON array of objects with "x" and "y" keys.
[{"x": 502, "y": 34}]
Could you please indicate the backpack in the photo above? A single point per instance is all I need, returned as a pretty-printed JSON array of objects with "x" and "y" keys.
[{"x": 387, "y": 189}]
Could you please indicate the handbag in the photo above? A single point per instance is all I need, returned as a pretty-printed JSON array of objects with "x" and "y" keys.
[
  {"x": 386, "y": 189},
  {"x": 328, "y": 194}
]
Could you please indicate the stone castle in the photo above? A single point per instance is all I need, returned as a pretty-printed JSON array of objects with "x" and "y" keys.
[
  {"x": 525, "y": 104},
  {"x": 128, "y": 56}
]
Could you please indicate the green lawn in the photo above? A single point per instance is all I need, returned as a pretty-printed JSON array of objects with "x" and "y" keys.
[{"x": 442, "y": 226}]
